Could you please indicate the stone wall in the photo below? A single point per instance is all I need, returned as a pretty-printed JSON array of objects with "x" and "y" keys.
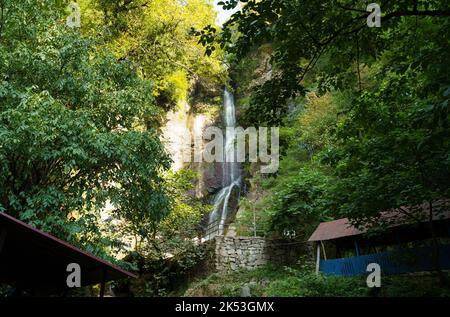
[{"x": 234, "y": 253}]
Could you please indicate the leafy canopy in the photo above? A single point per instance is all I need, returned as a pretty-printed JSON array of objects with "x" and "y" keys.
[{"x": 77, "y": 130}]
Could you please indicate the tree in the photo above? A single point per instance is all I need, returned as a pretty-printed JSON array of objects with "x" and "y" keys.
[
  {"x": 393, "y": 149},
  {"x": 302, "y": 34},
  {"x": 155, "y": 37},
  {"x": 76, "y": 130}
]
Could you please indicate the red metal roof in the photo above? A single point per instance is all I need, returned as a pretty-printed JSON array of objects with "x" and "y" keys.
[
  {"x": 32, "y": 257},
  {"x": 342, "y": 228},
  {"x": 334, "y": 229}
]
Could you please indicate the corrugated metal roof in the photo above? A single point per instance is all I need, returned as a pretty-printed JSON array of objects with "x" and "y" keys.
[
  {"x": 342, "y": 228},
  {"x": 334, "y": 229}
]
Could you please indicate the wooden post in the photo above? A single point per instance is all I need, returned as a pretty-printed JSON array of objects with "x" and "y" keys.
[
  {"x": 102, "y": 285},
  {"x": 323, "y": 249},
  {"x": 318, "y": 258},
  {"x": 254, "y": 221},
  {"x": 356, "y": 248}
]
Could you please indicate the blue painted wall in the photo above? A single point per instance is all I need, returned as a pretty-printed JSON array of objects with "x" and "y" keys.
[{"x": 394, "y": 262}]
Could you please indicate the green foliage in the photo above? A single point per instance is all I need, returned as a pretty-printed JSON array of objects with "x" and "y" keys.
[
  {"x": 5, "y": 290},
  {"x": 298, "y": 197},
  {"x": 156, "y": 37},
  {"x": 303, "y": 33},
  {"x": 373, "y": 131},
  {"x": 307, "y": 284},
  {"x": 77, "y": 131},
  {"x": 250, "y": 218},
  {"x": 171, "y": 253},
  {"x": 318, "y": 120},
  {"x": 177, "y": 232},
  {"x": 80, "y": 112},
  {"x": 297, "y": 204},
  {"x": 168, "y": 277},
  {"x": 364, "y": 115},
  {"x": 270, "y": 281},
  {"x": 394, "y": 142}
]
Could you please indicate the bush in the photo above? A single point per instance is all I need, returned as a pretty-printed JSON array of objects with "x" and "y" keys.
[{"x": 301, "y": 281}]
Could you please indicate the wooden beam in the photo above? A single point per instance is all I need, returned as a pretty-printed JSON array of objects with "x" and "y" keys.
[
  {"x": 323, "y": 249},
  {"x": 357, "y": 248},
  {"x": 318, "y": 258},
  {"x": 103, "y": 283}
]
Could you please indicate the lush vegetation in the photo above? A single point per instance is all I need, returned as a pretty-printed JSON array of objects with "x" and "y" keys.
[
  {"x": 80, "y": 117},
  {"x": 363, "y": 112},
  {"x": 270, "y": 281}
]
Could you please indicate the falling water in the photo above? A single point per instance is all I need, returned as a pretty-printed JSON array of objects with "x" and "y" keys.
[{"x": 231, "y": 178}]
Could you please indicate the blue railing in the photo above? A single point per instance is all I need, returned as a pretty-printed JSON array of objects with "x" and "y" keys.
[{"x": 394, "y": 262}]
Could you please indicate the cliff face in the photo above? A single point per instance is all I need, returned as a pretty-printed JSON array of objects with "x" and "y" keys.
[
  {"x": 253, "y": 71},
  {"x": 187, "y": 122},
  {"x": 202, "y": 109}
]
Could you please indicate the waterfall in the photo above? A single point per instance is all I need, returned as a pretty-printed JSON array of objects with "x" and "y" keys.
[{"x": 231, "y": 178}]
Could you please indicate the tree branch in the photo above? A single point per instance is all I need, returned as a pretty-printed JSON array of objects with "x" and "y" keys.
[
  {"x": 429, "y": 13},
  {"x": 2, "y": 6},
  {"x": 349, "y": 9},
  {"x": 409, "y": 214}
]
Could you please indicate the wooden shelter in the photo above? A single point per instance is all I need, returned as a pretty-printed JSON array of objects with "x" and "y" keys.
[
  {"x": 401, "y": 247},
  {"x": 36, "y": 262}
]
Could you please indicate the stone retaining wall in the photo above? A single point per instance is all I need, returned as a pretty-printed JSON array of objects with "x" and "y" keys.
[{"x": 234, "y": 253}]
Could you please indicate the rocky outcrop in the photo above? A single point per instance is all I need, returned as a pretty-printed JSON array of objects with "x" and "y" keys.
[{"x": 212, "y": 175}]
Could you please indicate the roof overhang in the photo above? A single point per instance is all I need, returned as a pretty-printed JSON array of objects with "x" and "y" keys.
[
  {"x": 399, "y": 217},
  {"x": 33, "y": 259}
]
